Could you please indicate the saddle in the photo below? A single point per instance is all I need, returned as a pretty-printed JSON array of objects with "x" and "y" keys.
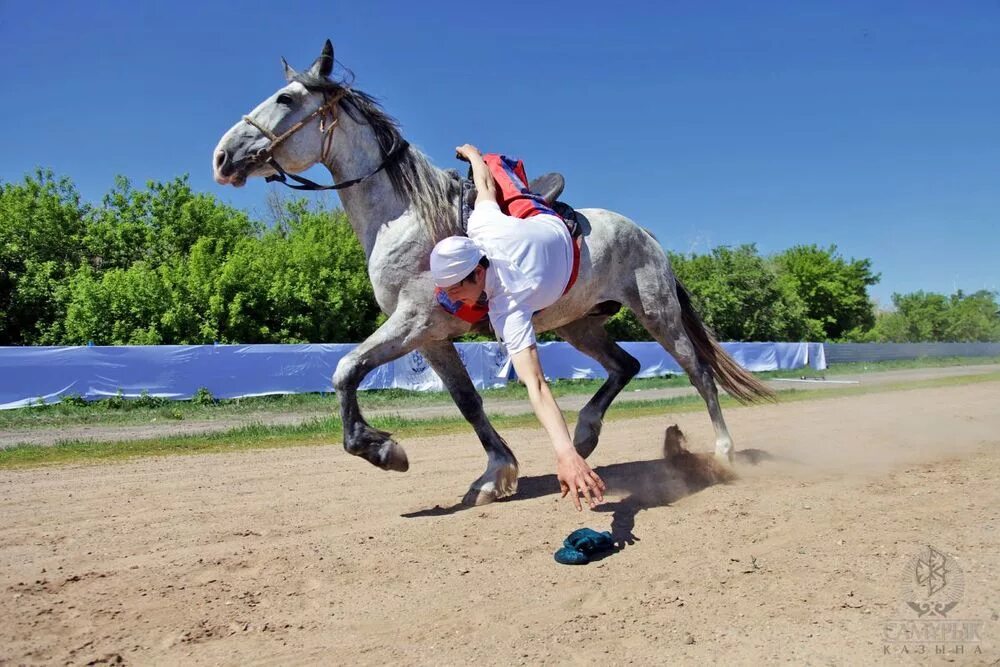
[{"x": 547, "y": 186}]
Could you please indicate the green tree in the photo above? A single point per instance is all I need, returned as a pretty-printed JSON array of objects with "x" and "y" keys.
[
  {"x": 42, "y": 222},
  {"x": 163, "y": 264},
  {"x": 196, "y": 312},
  {"x": 158, "y": 224},
  {"x": 304, "y": 282},
  {"x": 919, "y": 317},
  {"x": 929, "y": 317},
  {"x": 833, "y": 290},
  {"x": 740, "y": 297},
  {"x": 973, "y": 317},
  {"x": 625, "y": 326},
  {"x": 154, "y": 260},
  {"x": 117, "y": 307}
]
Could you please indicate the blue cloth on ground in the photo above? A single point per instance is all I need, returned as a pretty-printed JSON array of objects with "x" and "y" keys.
[
  {"x": 589, "y": 541},
  {"x": 569, "y": 556},
  {"x": 583, "y": 543}
]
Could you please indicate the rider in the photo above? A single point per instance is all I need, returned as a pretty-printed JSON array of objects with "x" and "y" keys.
[{"x": 522, "y": 268}]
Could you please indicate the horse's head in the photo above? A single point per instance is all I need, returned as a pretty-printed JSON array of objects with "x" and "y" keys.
[{"x": 292, "y": 128}]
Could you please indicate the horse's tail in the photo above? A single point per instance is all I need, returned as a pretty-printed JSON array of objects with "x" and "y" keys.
[{"x": 740, "y": 383}]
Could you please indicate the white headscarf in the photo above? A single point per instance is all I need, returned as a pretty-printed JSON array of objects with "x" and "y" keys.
[{"x": 455, "y": 257}]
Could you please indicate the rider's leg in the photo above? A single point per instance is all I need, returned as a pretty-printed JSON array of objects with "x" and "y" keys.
[{"x": 513, "y": 195}]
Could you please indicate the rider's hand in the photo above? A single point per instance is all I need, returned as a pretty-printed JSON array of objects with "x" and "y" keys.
[
  {"x": 466, "y": 151},
  {"x": 576, "y": 478}
]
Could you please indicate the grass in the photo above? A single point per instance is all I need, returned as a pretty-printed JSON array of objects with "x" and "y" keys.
[
  {"x": 116, "y": 411},
  {"x": 328, "y": 431}
]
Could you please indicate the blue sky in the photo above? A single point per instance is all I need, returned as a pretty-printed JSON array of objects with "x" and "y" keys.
[{"x": 873, "y": 126}]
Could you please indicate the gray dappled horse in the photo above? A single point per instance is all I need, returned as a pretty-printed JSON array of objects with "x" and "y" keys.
[{"x": 400, "y": 205}]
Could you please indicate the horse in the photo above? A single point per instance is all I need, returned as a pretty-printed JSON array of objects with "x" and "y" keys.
[{"x": 399, "y": 205}]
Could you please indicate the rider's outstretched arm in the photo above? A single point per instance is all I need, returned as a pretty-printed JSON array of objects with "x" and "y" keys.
[
  {"x": 575, "y": 477},
  {"x": 485, "y": 188}
]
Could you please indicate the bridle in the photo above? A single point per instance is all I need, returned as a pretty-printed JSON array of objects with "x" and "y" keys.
[{"x": 329, "y": 117}]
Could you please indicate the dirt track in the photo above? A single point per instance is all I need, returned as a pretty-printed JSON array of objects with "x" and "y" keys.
[{"x": 306, "y": 556}]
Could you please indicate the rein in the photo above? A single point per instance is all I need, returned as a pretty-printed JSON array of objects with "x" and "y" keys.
[{"x": 328, "y": 120}]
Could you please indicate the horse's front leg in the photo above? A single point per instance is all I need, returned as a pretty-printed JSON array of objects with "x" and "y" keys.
[
  {"x": 403, "y": 332},
  {"x": 500, "y": 478}
]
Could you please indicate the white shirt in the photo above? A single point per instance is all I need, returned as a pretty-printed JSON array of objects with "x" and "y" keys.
[{"x": 541, "y": 247}]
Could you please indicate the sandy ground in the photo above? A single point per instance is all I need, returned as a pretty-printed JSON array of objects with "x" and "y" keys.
[
  {"x": 308, "y": 556},
  {"x": 105, "y": 432}
]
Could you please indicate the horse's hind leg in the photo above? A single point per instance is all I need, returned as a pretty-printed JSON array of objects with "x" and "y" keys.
[
  {"x": 590, "y": 337},
  {"x": 500, "y": 478},
  {"x": 663, "y": 319}
]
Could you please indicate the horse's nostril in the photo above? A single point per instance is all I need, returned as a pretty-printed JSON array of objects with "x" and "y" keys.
[{"x": 221, "y": 158}]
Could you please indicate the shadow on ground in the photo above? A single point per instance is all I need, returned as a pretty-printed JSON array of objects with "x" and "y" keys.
[{"x": 642, "y": 484}]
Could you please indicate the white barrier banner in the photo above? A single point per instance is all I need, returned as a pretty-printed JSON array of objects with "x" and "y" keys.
[{"x": 30, "y": 375}]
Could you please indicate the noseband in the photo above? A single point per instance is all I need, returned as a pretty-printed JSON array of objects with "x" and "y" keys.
[{"x": 329, "y": 117}]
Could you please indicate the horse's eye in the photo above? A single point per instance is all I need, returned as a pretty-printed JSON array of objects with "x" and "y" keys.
[{"x": 284, "y": 99}]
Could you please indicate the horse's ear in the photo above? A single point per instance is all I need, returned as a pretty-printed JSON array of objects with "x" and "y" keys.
[
  {"x": 290, "y": 73},
  {"x": 324, "y": 64}
]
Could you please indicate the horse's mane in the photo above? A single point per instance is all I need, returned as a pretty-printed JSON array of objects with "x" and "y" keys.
[{"x": 432, "y": 192}]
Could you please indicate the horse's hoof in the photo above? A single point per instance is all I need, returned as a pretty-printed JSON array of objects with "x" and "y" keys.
[
  {"x": 494, "y": 485},
  {"x": 725, "y": 459},
  {"x": 387, "y": 454},
  {"x": 587, "y": 434},
  {"x": 477, "y": 497},
  {"x": 393, "y": 457},
  {"x": 586, "y": 447}
]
